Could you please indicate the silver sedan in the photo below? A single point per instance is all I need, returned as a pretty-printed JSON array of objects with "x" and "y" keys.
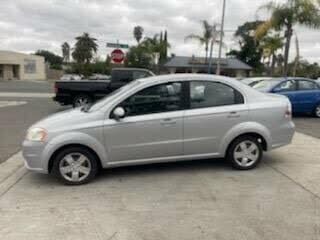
[{"x": 161, "y": 119}]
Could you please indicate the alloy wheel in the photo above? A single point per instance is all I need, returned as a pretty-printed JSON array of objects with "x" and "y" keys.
[
  {"x": 317, "y": 111},
  {"x": 75, "y": 167},
  {"x": 246, "y": 153}
]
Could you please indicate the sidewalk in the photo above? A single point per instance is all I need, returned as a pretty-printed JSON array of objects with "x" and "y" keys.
[{"x": 186, "y": 200}]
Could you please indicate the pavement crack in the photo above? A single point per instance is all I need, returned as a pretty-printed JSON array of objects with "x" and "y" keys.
[{"x": 294, "y": 181}]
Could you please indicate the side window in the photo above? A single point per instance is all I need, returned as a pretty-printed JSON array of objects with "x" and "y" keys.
[
  {"x": 155, "y": 99},
  {"x": 288, "y": 86},
  {"x": 307, "y": 85},
  {"x": 140, "y": 74},
  {"x": 212, "y": 94}
]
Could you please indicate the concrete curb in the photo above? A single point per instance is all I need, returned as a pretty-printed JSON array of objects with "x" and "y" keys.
[
  {"x": 26, "y": 95},
  {"x": 11, "y": 171}
]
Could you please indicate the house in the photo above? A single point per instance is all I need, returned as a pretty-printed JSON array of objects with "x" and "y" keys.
[{"x": 231, "y": 67}]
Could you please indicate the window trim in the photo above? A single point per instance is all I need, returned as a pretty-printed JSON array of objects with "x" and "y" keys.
[{"x": 208, "y": 81}]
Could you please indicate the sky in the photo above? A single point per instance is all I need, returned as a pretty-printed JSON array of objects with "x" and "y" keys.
[{"x": 29, "y": 25}]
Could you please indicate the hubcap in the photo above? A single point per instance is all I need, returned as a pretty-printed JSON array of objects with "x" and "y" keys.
[
  {"x": 75, "y": 167},
  {"x": 81, "y": 102},
  {"x": 246, "y": 153},
  {"x": 318, "y": 111}
]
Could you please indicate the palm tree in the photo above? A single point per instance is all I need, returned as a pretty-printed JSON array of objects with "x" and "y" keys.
[
  {"x": 286, "y": 15},
  {"x": 137, "y": 33},
  {"x": 272, "y": 44},
  {"x": 66, "y": 52},
  {"x": 155, "y": 46},
  {"x": 85, "y": 48},
  {"x": 205, "y": 38}
]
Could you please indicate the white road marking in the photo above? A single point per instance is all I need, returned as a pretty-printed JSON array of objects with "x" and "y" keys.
[
  {"x": 11, "y": 103},
  {"x": 26, "y": 95}
]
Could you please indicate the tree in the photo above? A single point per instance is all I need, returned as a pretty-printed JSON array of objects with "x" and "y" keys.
[
  {"x": 84, "y": 51},
  {"x": 306, "y": 69},
  {"x": 272, "y": 44},
  {"x": 65, "y": 52},
  {"x": 285, "y": 16},
  {"x": 154, "y": 46},
  {"x": 205, "y": 38},
  {"x": 137, "y": 33},
  {"x": 54, "y": 60},
  {"x": 250, "y": 51},
  {"x": 137, "y": 56},
  {"x": 85, "y": 48}
]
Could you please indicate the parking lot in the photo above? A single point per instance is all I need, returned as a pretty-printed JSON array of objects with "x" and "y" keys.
[{"x": 185, "y": 200}]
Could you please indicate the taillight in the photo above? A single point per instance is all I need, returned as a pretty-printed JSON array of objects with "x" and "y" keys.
[{"x": 288, "y": 113}]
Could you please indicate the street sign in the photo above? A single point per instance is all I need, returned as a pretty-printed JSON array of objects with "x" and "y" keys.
[
  {"x": 117, "y": 45},
  {"x": 117, "y": 56}
]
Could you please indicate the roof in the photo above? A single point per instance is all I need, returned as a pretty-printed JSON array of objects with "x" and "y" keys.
[{"x": 192, "y": 62}]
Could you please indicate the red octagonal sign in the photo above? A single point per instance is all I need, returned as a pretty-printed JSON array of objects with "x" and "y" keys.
[{"x": 117, "y": 56}]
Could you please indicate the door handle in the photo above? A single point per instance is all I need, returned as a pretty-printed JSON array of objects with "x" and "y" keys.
[
  {"x": 233, "y": 115},
  {"x": 167, "y": 122}
]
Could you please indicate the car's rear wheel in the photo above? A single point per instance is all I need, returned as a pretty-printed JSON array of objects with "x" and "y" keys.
[
  {"x": 245, "y": 153},
  {"x": 75, "y": 166},
  {"x": 317, "y": 111},
  {"x": 81, "y": 100}
]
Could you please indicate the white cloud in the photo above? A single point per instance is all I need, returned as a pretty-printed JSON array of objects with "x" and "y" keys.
[{"x": 38, "y": 24}]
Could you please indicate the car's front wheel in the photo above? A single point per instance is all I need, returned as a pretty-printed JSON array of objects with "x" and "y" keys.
[
  {"x": 317, "y": 111},
  {"x": 75, "y": 166},
  {"x": 245, "y": 153}
]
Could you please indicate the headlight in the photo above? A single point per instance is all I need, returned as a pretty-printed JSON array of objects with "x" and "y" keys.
[{"x": 37, "y": 135}]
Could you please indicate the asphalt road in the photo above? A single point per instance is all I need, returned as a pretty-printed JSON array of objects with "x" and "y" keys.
[{"x": 26, "y": 87}]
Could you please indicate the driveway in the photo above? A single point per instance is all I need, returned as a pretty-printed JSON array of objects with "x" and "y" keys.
[{"x": 186, "y": 200}]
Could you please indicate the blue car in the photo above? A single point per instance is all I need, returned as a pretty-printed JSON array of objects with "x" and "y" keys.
[{"x": 303, "y": 93}]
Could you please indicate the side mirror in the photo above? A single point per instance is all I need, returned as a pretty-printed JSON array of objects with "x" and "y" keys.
[{"x": 119, "y": 113}]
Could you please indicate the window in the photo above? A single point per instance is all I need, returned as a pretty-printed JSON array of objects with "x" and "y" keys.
[
  {"x": 287, "y": 86},
  {"x": 156, "y": 99},
  {"x": 211, "y": 94},
  {"x": 29, "y": 66},
  {"x": 140, "y": 74},
  {"x": 307, "y": 85}
]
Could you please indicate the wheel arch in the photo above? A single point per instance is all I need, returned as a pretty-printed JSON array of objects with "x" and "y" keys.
[
  {"x": 57, "y": 151},
  {"x": 251, "y": 129}
]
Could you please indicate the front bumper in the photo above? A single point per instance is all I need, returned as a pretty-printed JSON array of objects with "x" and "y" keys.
[{"x": 32, "y": 154}]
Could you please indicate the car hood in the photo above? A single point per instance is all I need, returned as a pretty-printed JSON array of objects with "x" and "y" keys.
[{"x": 66, "y": 120}]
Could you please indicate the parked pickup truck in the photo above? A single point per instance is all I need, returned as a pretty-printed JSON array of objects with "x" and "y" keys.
[{"x": 83, "y": 92}]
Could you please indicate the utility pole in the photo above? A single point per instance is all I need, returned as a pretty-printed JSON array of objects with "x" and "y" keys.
[{"x": 221, "y": 38}]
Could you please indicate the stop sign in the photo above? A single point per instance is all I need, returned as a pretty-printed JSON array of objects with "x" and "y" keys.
[{"x": 117, "y": 56}]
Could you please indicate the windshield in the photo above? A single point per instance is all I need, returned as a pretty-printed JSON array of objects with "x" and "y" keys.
[
  {"x": 104, "y": 100},
  {"x": 265, "y": 85}
]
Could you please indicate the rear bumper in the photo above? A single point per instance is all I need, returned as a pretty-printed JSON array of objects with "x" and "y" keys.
[
  {"x": 283, "y": 135},
  {"x": 63, "y": 99}
]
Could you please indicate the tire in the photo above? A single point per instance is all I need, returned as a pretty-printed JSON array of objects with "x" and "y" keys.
[
  {"x": 81, "y": 100},
  {"x": 317, "y": 111},
  {"x": 75, "y": 166},
  {"x": 240, "y": 154}
]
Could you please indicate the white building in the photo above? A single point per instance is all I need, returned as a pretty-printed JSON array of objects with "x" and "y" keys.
[{"x": 20, "y": 66}]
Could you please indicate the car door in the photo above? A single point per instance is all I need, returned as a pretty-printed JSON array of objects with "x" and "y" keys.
[
  {"x": 214, "y": 109},
  {"x": 152, "y": 128},
  {"x": 307, "y": 96},
  {"x": 288, "y": 88}
]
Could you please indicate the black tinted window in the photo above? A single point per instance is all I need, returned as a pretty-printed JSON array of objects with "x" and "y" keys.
[
  {"x": 307, "y": 85},
  {"x": 211, "y": 94},
  {"x": 156, "y": 99}
]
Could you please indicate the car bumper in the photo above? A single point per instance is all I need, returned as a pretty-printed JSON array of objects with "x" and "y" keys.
[
  {"x": 32, "y": 154},
  {"x": 283, "y": 136}
]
